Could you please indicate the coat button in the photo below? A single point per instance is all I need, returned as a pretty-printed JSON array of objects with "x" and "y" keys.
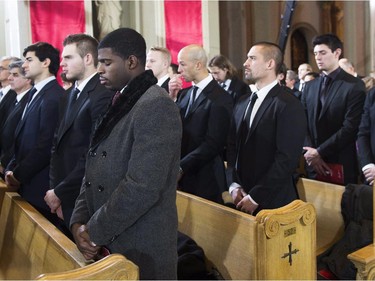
[
  {"x": 100, "y": 188},
  {"x": 92, "y": 153},
  {"x": 104, "y": 154},
  {"x": 87, "y": 184}
]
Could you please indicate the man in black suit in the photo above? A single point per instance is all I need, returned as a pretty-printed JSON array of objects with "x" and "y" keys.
[
  {"x": 86, "y": 102},
  {"x": 158, "y": 59},
  {"x": 29, "y": 167},
  {"x": 366, "y": 139},
  {"x": 333, "y": 105},
  {"x": 205, "y": 112},
  {"x": 21, "y": 85},
  {"x": 7, "y": 95},
  {"x": 224, "y": 72},
  {"x": 266, "y": 137}
]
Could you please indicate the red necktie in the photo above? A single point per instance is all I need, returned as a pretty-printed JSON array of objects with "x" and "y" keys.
[{"x": 115, "y": 97}]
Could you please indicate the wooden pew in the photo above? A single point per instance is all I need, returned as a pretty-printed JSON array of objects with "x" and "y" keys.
[
  {"x": 364, "y": 258},
  {"x": 30, "y": 245},
  {"x": 276, "y": 244},
  {"x": 326, "y": 199},
  {"x": 330, "y": 225}
]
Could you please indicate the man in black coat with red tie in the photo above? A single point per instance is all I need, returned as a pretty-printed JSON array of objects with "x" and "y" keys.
[{"x": 266, "y": 137}]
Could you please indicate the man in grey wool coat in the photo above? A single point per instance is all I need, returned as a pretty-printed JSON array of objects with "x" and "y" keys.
[{"x": 127, "y": 201}]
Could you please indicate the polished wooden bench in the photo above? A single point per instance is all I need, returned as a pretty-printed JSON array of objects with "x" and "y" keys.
[
  {"x": 326, "y": 198},
  {"x": 30, "y": 246},
  {"x": 275, "y": 244}
]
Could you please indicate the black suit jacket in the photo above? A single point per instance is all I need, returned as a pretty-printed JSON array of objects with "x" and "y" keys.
[
  {"x": 165, "y": 85},
  {"x": 33, "y": 143},
  {"x": 71, "y": 143},
  {"x": 333, "y": 129},
  {"x": 271, "y": 150},
  {"x": 237, "y": 89},
  {"x": 9, "y": 128},
  {"x": 366, "y": 134},
  {"x": 205, "y": 131},
  {"x": 6, "y": 106}
]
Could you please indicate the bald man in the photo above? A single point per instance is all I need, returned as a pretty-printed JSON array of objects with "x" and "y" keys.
[{"x": 205, "y": 110}]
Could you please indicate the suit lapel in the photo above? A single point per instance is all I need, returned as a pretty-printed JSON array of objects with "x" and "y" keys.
[
  {"x": 69, "y": 117},
  {"x": 332, "y": 92},
  {"x": 184, "y": 102},
  {"x": 263, "y": 107}
]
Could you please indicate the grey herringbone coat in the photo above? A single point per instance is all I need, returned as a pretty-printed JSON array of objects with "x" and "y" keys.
[{"x": 128, "y": 194}]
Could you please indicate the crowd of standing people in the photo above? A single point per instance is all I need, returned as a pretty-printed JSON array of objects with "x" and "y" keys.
[{"x": 103, "y": 158}]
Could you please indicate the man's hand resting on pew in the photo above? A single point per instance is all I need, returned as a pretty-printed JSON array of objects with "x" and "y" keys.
[
  {"x": 11, "y": 181},
  {"x": 243, "y": 201},
  {"x": 54, "y": 203},
  {"x": 81, "y": 236}
]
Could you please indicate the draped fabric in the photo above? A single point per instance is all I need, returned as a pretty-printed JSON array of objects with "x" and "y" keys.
[
  {"x": 52, "y": 21},
  {"x": 183, "y": 25}
]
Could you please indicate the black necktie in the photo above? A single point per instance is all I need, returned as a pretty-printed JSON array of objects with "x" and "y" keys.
[
  {"x": 73, "y": 95},
  {"x": 249, "y": 110},
  {"x": 243, "y": 133},
  {"x": 193, "y": 96},
  {"x": 324, "y": 89},
  {"x": 30, "y": 95}
]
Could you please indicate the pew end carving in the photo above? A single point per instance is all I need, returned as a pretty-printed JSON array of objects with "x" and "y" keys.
[{"x": 276, "y": 244}]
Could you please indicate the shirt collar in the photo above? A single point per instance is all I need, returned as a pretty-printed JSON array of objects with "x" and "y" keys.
[
  {"x": 203, "y": 83},
  {"x": 262, "y": 93},
  {"x": 5, "y": 90},
  {"x": 42, "y": 83},
  {"x": 20, "y": 96},
  {"x": 162, "y": 80},
  {"x": 83, "y": 84},
  {"x": 334, "y": 73}
]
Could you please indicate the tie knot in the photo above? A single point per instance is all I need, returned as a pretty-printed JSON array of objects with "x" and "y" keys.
[
  {"x": 75, "y": 93},
  {"x": 254, "y": 97},
  {"x": 326, "y": 79},
  {"x": 31, "y": 94}
]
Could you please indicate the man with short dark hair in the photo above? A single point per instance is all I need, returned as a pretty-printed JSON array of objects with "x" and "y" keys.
[
  {"x": 29, "y": 168},
  {"x": 333, "y": 105},
  {"x": 266, "y": 136},
  {"x": 127, "y": 202},
  {"x": 84, "y": 104}
]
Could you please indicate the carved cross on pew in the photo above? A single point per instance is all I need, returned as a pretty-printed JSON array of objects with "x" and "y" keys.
[{"x": 291, "y": 252}]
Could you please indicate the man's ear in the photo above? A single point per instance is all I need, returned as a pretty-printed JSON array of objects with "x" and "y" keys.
[
  {"x": 46, "y": 62},
  {"x": 132, "y": 62},
  {"x": 338, "y": 52}
]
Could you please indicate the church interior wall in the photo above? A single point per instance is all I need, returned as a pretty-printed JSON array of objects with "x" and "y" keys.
[{"x": 231, "y": 27}]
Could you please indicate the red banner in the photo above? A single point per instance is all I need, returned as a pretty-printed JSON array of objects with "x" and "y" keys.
[
  {"x": 52, "y": 21},
  {"x": 183, "y": 25}
]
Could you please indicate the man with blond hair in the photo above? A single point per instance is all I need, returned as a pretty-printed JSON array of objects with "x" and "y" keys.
[{"x": 158, "y": 59}]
